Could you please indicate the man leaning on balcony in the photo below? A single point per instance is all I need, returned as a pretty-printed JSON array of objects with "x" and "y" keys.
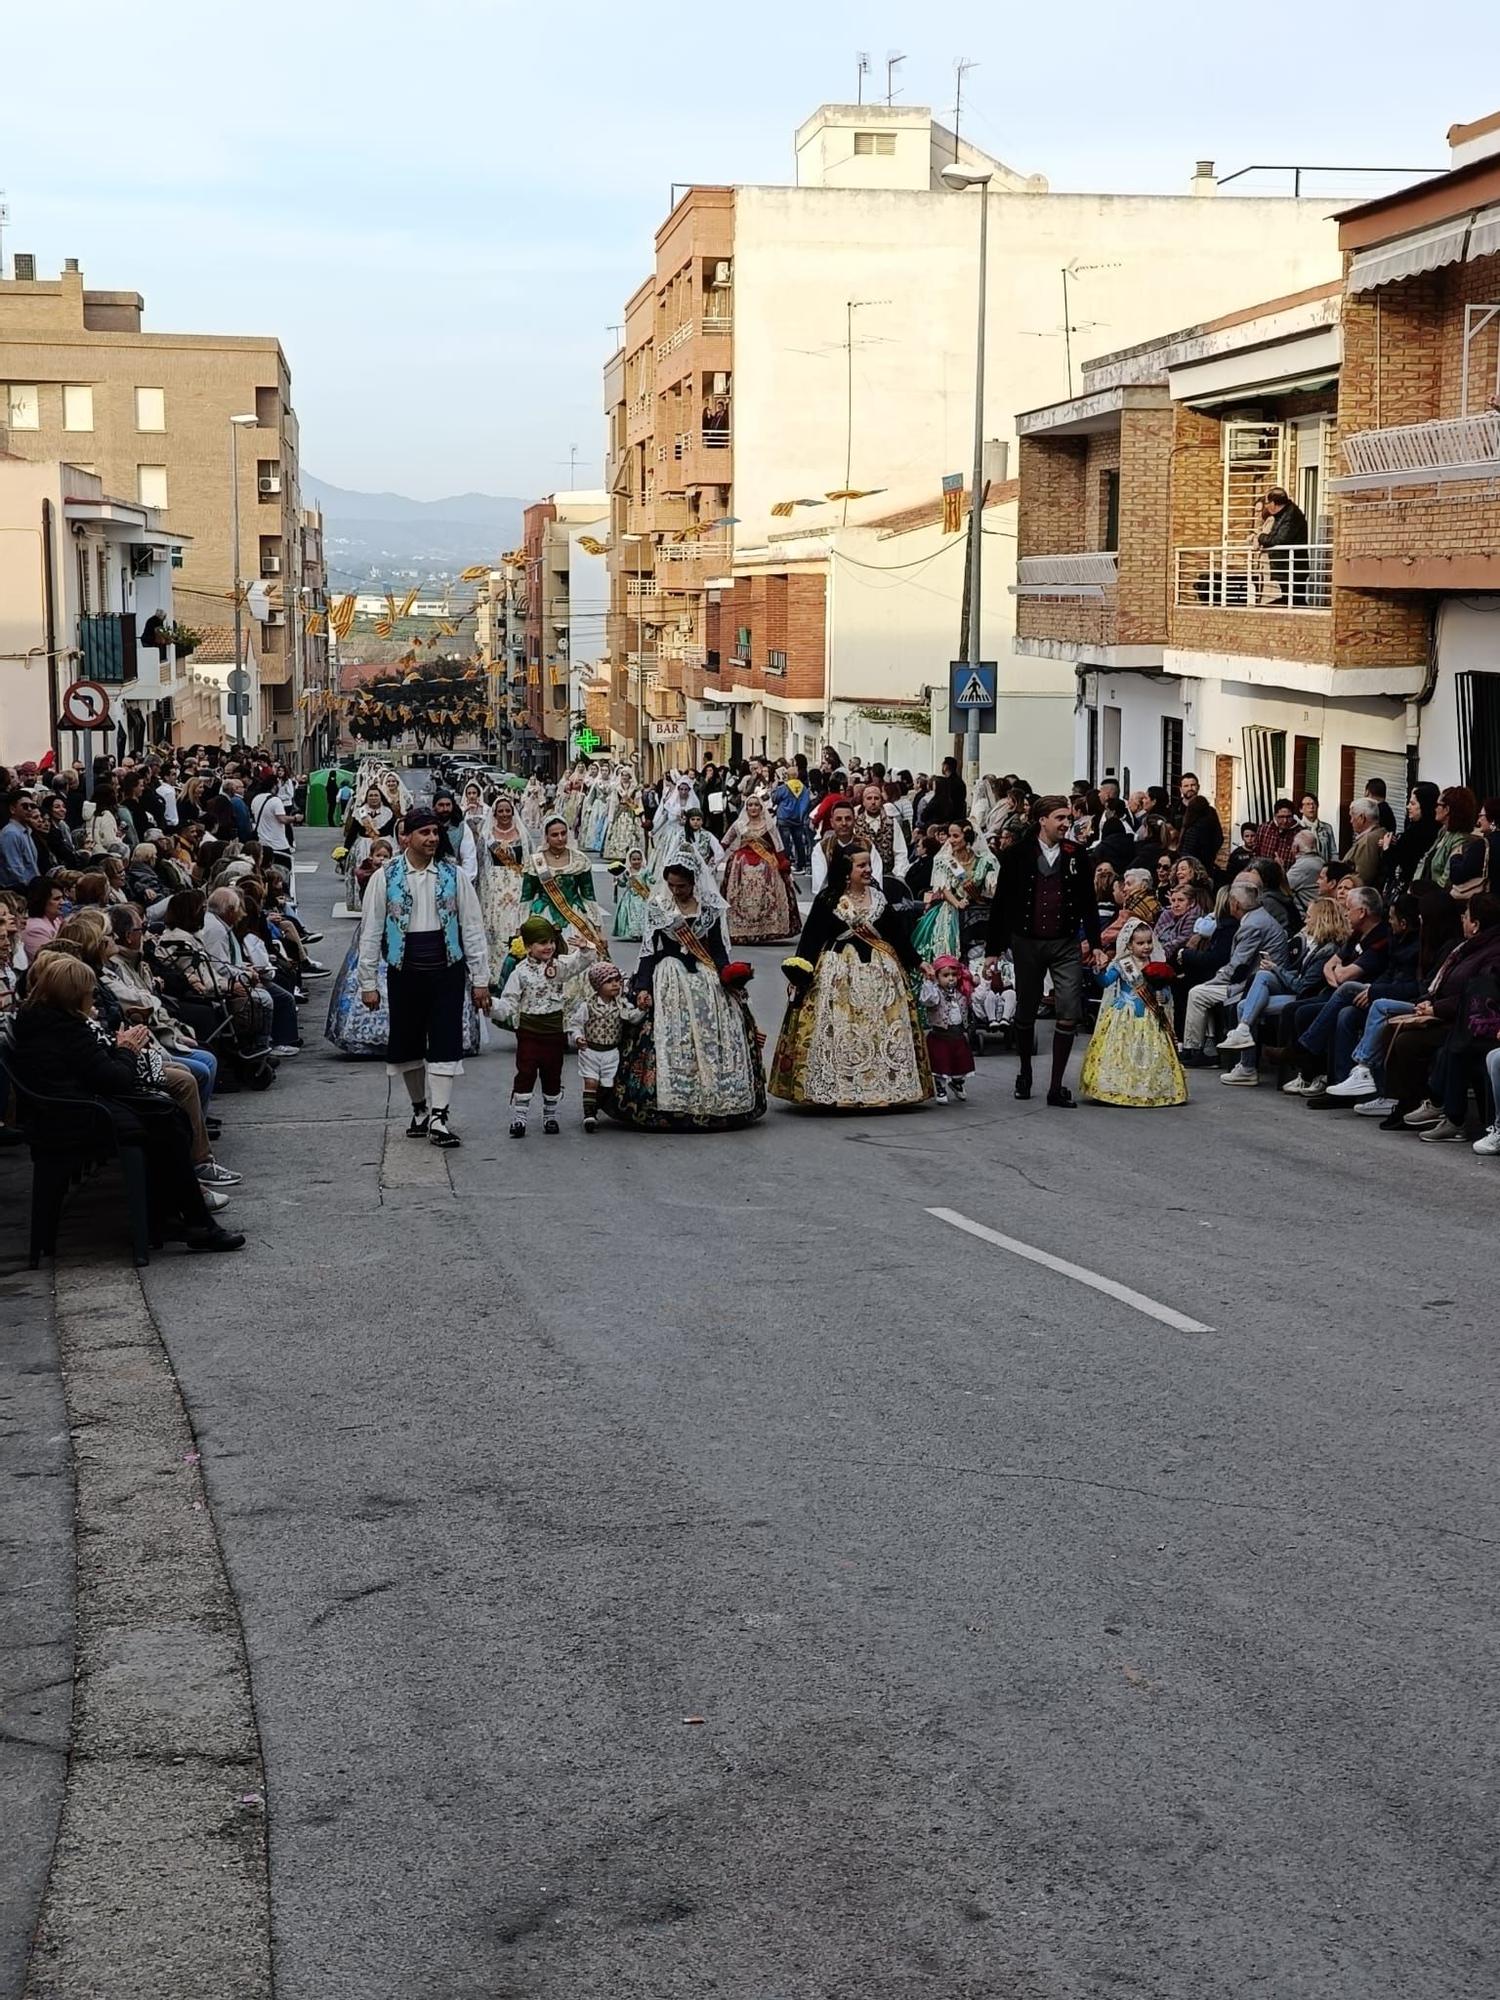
[{"x": 1285, "y": 530}]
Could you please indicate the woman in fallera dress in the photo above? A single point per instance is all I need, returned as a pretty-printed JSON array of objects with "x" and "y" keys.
[
  {"x": 852, "y": 1037},
  {"x": 504, "y": 852},
  {"x": 633, "y": 890},
  {"x": 598, "y": 802},
  {"x": 1132, "y": 1058},
  {"x": 963, "y": 880},
  {"x": 693, "y": 1064},
  {"x": 758, "y": 880},
  {"x": 624, "y": 826},
  {"x": 559, "y": 885}
]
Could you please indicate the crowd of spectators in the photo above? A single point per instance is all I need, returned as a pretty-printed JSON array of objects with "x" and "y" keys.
[{"x": 151, "y": 957}]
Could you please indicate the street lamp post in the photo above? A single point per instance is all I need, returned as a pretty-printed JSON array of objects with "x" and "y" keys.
[
  {"x": 640, "y": 669},
  {"x": 967, "y": 177},
  {"x": 236, "y": 424}
]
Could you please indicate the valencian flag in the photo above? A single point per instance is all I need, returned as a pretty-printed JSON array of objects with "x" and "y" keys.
[
  {"x": 341, "y": 615},
  {"x": 953, "y": 502},
  {"x": 591, "y": 545},
  {"x": 475, "y": 573},
  {"x": 407, "y": 602},
  {"x": 317, "y": 623}
]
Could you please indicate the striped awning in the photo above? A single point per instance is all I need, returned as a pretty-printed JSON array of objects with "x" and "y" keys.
[{"x": 1461, "y": 238}]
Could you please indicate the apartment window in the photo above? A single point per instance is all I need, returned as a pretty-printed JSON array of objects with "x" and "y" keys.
[
  {"x": 1109, "y": 510},
  {"x": 151, "y": 485},
  {"x": 151, "y": 409},
  {"x": 268, "y": 477},
  {"x": 1171, "y": 753},
  {"x": 25, "y": 407},
  {"x": 1479, "y": 732},
  {"x": 775, "y": 662},
  {"x": 78, "y": 406},
  {"x": 879, "y": 145}
]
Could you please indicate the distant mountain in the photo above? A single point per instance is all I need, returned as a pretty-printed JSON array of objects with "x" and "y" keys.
[{"x": 390, "y": 537}]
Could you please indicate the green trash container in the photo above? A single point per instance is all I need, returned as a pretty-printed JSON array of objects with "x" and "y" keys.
[{"x": 317, "y": 794}]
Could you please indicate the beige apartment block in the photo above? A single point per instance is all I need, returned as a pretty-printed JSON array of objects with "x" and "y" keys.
[
  {"x": 792, "y": 344},
  {"x": 150, "y": 413}
]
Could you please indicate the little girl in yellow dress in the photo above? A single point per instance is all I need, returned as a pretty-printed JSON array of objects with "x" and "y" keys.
[{"x": 1132, "y": 1056}]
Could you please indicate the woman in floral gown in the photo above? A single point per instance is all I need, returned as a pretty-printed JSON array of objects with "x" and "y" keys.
[
  {"x": 559, "y": 885},
  {"x": 852, "y": 1037},
  {"x": 693, "y": 1063},
  {"x": 624, "y": 826},
  {"x": 758, "y": 880},
  {"x": 633, "y": 891}
]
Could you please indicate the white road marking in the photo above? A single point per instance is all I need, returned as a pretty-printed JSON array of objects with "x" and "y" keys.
[
  {"x": 1138, "y": 1300},
  {"x": 304, "y": 867}
]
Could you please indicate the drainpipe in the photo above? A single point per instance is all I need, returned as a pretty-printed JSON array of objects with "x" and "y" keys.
[{"x": 49, "y": 616}]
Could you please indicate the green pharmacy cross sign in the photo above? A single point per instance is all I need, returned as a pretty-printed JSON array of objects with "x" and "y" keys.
[{"x": 586, "y": 741}]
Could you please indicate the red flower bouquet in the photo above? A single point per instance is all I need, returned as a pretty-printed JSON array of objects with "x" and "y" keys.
[{"x": 737, "y": 973}]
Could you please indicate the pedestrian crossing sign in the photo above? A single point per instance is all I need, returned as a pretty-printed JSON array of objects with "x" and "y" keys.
[{"x": 971, "y": 693}]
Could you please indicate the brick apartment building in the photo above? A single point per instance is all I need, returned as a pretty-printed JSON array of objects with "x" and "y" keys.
[
  {"x": 1375, "y": 649},
  {"x": 150, "y": 414}
]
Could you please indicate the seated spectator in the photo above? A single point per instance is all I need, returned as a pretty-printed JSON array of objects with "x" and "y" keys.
[
  {"x": 1135, "y": 898},
  {"x": 1274, "y": 895},
  {"x": 1105, "y": 879},
  {"x": 1150, "y": 843},
  {"x": 1259, "y": 942},
  {"x": 1174, "y": 925},
  {"x": 1203, "y": 957},
  {"x": 1364, "y": 855},
  {"x": 1307, "y": 866},
  {"x": 62, "y": 1050},
  {"x": 1441, "y": 1048},
  {"x": 91, "y": 891},
  {"x": 183, "y": 953},
  {"x": 138, "y": 992},
  {"x": 142, "y": 883},
  {"x": 10, "y": 953},
  {"x": 1347, "y": 974},
  {"x": 1359, "y": 1032},
  {"x": 1240, "y": 857},
  {"x": 1276, "y": 840},
  {"x": 113, "y": 866},
  {"x": 1114, "y": 839},
  {"x": 1324, "y": 930},
  {"x": 44, "y": 912},
  {"x": 221, "y": 938},
  {"x": 61, "y": 851}
]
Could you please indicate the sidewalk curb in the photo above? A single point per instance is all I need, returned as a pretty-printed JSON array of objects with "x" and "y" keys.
[{"x": 159, "y": 1880}]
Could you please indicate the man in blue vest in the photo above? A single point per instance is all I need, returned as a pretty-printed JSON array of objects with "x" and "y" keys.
[{"x": 421, "y": 915}]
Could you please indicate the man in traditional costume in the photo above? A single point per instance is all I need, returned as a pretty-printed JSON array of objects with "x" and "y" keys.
[
  {"x": 1044, "y": 895},
  {"x": 421, "y": 915}
]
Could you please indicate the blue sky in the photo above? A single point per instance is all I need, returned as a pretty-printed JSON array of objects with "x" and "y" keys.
[{"x": 441, "y": 209}]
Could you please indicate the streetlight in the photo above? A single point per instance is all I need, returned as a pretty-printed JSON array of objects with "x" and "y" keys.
[
  {"x": 236, "y": 424},
  {"x": 961, "y": 178},
  {"x": 641, "y": 665}
]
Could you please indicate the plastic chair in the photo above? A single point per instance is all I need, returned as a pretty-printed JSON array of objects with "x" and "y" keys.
[{"x": 68, "y": 1136}]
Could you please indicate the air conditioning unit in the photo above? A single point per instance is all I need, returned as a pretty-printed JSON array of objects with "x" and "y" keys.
[
  {"x": 721, "y": 383},
  {"x": 270, "y": 565},
  {"x": 723, "y": 272},
  {"x": 275, "y": 618},
  {"x": 269, "y": 486}
]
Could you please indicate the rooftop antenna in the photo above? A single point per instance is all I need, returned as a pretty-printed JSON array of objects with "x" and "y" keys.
[
  {"x": 961, "y": 70},
  {"x": 4, "y": 219},
  {"x": 892, "y": 64},
  {"x": 863, "y": 60}
]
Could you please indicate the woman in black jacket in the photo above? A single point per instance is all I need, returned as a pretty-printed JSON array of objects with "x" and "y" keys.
[{"x": 61, "y": 1051}]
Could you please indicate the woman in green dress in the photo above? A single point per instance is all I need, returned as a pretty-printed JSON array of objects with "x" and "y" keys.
[
  {"x": 963, "y": 881},
  {"x": 558, "y": 884}
]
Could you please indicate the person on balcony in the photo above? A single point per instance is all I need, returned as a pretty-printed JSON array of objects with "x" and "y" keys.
[{"x": 1285, "y": 530}]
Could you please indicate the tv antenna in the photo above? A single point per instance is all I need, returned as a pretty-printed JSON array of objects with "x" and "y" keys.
[
  {"x": 863, "y": 60},
  {"x": 961, "y": 70},
  {"x": 892, "y": 64}
]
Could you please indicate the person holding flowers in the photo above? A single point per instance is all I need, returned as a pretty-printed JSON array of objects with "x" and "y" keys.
[
  {"x": 852, "y": 1037},
  {"x": 1132, "y": 1058},
  {"x": 693, "y": 1062}
]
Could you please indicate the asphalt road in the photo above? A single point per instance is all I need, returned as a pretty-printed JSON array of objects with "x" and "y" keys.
[{"x": 682, "y": 1566}]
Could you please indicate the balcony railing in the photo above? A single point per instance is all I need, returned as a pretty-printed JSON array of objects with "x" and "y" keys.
[
  {"x": 106, "y": 648},
  {"x": 715, "y": 439},
  {"x": 1284, "y": 579},
  {"x": 675, "y": 339},
  {"x": 1422, "y": 454},
  {"x": 1088, "y": 574},
  {"x": 703, "y": 548}
]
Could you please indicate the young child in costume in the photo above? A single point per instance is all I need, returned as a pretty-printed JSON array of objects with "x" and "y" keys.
[
  {"x": 1132, "y": 1056},
  {"x": 538, "y": 997},
  {"x": 604, "y": 1013},
  {"x": 944, "y": 1000},
  {"x": 994, "y": 998}
]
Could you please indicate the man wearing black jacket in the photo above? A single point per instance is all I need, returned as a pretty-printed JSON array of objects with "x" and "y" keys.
[{"x": 1043, "y": 898}]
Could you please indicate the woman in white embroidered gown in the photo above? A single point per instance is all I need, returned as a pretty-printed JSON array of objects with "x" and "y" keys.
[{"x": 505, "y": 851}]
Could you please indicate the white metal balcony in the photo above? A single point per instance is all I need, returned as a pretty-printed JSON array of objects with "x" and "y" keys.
[
  {"x": 1448, "y": 448},
  {"x": 675, "y": 339},
  {"x": 715, "y": 440},
  {"x": 1298, "y": 578},
  {"x": 1089, "y": 573}
]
